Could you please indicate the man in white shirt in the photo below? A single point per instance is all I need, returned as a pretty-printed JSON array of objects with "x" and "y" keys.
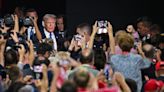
[
  {"x": 49, "y": 24},
  {"x": 31, "y": 30}
]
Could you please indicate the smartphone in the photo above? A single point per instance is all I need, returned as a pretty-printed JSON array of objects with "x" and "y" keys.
[
  {"x": 38, "y": 71},
  {"x": 106, "y": 71},
  {"x": 102, "y": 27},
  {"x": 63, "y": 62},
  {"x": 78, "y": 38}
]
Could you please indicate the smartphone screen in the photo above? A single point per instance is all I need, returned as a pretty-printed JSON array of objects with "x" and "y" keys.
[
  {"x": 102, "y": 27},
  {"x": 37, "y": 68},
  {"x": 78, "y": 38},
  {"x": 106, "y": 71},
  {"x": 38, "y": 72},
  {"x": 63, "y": 62}
]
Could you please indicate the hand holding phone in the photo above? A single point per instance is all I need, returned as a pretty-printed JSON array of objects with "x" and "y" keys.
[
  {"x": 78, "y": 38},
  {"x": 38, "y": 72},
  {"x": 106, "y": 71}
]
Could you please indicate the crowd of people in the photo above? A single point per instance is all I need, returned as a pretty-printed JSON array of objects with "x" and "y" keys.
[{"x": 44, "y": 57}]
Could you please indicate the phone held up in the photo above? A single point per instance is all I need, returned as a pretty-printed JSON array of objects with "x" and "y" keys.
[{"x": 103, "y": 24}]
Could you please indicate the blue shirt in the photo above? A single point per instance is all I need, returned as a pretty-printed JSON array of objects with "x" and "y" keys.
[{"x": 130, "y": 66}]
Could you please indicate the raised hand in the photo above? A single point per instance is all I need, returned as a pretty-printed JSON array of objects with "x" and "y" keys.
[
  {"x": 140, "y": 51},
  {"x": 95, "y": 28},
  {"x": 110, "y": 28},
  {"x": 21, "y": 51},
  {"x": 2, "y": 48},
  {"x": 16, "y": 25},
  {"x": 34, "y": 19},
  {"x": 72, "y": 45},
  {"x": 31, "y": 52},
  {"x": 42, "y": 84},
  {"x": 15, "y": 37},
  {"x": 4, "y": 29},
  {"x": 2, "y": 40},
  {"x": 94, "y": 31},
  {"x": 111, "y": 38}
]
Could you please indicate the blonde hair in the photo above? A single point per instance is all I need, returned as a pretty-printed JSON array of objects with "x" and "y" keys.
[
  {"x": 126, "y": 42},
  {"x": 118, "y": 34}
]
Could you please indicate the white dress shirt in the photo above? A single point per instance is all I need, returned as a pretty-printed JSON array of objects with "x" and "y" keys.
[
  {"x": 47, "y": 34},
  {"x": 29, "y": 31}
]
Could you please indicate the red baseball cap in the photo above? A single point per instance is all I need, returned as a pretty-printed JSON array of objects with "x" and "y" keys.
[
  {"x": 152, "y": 85},
  {"x": 159, "y": 65}
]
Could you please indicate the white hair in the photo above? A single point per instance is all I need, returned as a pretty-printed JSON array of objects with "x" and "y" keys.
[{"x": 46, "y": 16}]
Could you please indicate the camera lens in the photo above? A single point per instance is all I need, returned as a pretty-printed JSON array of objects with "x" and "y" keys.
[
  {"x": 27, "y": 22},
  {"x": 8, "y": 20}
]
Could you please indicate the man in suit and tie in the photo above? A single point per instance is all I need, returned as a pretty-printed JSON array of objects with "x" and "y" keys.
[
  {"x": 49, "y": 24},
  {"x": 63, "y": 38}
]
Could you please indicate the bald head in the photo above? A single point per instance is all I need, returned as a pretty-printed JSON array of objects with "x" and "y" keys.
[
  {"x": 149, "y": 50},
  {"x": 86, "y": 56},
  {"x": 147, "y": 47}
]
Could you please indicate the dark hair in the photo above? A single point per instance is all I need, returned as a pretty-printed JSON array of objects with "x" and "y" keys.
[
  {"x": 29, "y": 10},
  {"x": 43, "y": 48},
  {"x": 11, "y": 57},
  {"x": 64, "y": 20},
  {"x": 86, "y": 56},
  {"x": 61, "y": 16},
  {"x": 21, "y": 9},
  {"x": 155, "y": 28},
  {"x": 68, "y": 86},
  {"x": 14, "y": 73},
  {"x": 146, "y": 20},
  {"x": 39, "y": 62},
  {"x": 85, "y": 26},
  {"x": 132, "y": 84},
  {"x": 15, "y": 87},
  {"x": 99, "y": 59},
  {"x": 81, "y": 78}
]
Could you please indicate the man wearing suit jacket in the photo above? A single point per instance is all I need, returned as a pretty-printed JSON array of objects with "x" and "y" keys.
[{"x": 49, "y": 24}]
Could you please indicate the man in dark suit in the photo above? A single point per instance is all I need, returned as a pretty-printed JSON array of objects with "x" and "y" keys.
[
  {"x": 62, "y": 34},
  {"x": 49, "y": 24}
]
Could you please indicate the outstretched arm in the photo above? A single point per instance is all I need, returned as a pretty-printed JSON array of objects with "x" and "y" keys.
[
  {"x": 2, "y": 48},
  {"x": 91, "y": 41},
  {"x": 111, "y": 39},
  {"x": 38, "y": 34}
]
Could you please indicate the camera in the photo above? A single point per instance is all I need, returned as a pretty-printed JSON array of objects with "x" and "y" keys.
[
  {"x": 16, "y": 47},
  {"x": 8, "y": 20},
  {"x": 102, "y": 26},
  {"x": 27, "y": 22},
  {"x": 6, "y": 35},
  {"x": 3, "y": 73}
]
